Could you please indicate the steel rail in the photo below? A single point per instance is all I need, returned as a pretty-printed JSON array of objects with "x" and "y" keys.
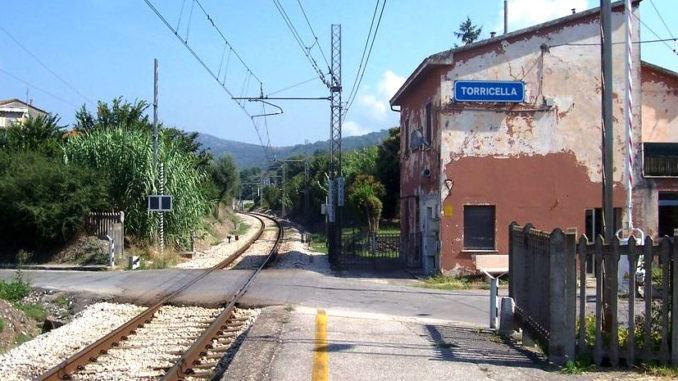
[
  {"x": 184, "y": 366},
  {"x": 90, "y": 353}
]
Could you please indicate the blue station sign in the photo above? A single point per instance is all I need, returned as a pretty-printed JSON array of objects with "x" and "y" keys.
[{"x": 489, "y": 91}]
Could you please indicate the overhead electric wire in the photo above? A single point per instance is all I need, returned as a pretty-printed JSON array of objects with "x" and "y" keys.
[
  {"x": 322, "y": 52},
  {"x": 367, "y": 59},
  {"x": 655, "y": 33},
  {"x": 35, "y": 87},
  {"x": 661, "y": 18},
  {"x": 293, "y": 86},
  {"x": 300, "y": 42},
  {"x": 39, "y": 61},
  {"x": 362, "y": 57},
  {"x": 206, "y": 67},
  {"x": 211, "y": 21}
]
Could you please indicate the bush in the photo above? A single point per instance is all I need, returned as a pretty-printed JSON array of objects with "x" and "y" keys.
[
  {"x": 43, "y": 200},
  {"x": 15, "y": 289}
]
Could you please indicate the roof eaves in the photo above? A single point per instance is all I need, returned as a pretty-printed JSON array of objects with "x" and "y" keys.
[
  {"x": 660, "y": 69},
  {"x": 448, "y": 54}
]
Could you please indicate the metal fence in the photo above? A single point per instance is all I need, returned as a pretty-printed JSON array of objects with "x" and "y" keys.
[
  {"x": 361, "y": 248},
  {"x": 616, "y": 316},
  {"x": 110, "y": 224}
]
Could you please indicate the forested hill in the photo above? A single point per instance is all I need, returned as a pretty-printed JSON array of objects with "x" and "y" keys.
[{"x": 248, "y": 155}]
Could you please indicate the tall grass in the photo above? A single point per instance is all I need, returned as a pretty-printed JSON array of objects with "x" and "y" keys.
[{"x": 125, "y": 156}]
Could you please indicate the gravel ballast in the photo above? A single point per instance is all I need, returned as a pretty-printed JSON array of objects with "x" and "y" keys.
[
  {"x": 33, "y": 358},
  {"x": 216, "y": 254}
]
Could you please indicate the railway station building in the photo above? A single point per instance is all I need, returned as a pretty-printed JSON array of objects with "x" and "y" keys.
[{"x": 469, "y": 166}]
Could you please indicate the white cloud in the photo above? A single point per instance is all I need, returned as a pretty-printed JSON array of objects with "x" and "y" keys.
[
  {"x": 390, "y": 83},
  {"x": 375, "y": 107},
  {"x": 525, "y": 13},
  {"x": 376, "y": 102},
  {"x": 352, "y": 128}
]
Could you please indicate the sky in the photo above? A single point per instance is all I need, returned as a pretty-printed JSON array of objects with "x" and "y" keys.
[{"x": 102, "y": 49}]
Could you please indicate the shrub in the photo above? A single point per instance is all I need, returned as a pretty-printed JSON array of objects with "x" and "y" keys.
[
  {"x": 43, "y": 200},
  {"x": 15, "y": 289}
]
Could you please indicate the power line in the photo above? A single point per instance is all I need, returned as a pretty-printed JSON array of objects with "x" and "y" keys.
[
  {"x": 661, "y": 18},
  {"x": 211, "y": 21},
  {"x": 369, "y": 53},
  {"x": 39, "y": 61},
  {"x": 293, "y": 86},
  {"x": 322, "y": 53},
  {"x": 300, "y": 42},
  {"x": 210, "y": 72},
  {"x": 362, "y": 57},
  {"x": 36, "y": 87},
  {"x": 653, "y": 32}
]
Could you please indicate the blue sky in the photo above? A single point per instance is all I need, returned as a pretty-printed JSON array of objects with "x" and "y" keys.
[{"x": 105, "y": 48}]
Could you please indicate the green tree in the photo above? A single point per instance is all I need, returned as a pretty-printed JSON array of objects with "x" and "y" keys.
[
  {"x": 118, "y": 114},
  {"x": 388, "y": 171},
  {"x": 42, "y": 133},
  {"x": 365, "y": 195},
  {"x": 226, "y": 179},
  {"x": 45, "y": 201},
  {"x": 468, "y": 32}
]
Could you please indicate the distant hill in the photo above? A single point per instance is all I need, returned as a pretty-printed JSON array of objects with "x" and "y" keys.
[{"x": 248, "y": 155}]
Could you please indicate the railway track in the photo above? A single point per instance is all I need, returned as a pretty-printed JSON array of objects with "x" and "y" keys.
[{"x": 171, "y": 343}]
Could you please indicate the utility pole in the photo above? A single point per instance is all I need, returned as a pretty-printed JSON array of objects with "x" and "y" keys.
[
  {"x": 284, "y": 179},
  {"x": 306, "y": 189},
  {"x": 156, "y": 164},
  {"x": 505, "y": 16},
  {"x": 608, "y": 179},
  {"x": 607, "y": 151},
  {"x": 333, "y": 206}
]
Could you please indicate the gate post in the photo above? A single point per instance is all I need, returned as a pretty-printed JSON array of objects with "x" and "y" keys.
[{"x": 562, "y": 295}]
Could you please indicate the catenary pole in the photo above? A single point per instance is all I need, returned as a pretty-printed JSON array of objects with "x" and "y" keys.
[{"x": 606, "y": 64}]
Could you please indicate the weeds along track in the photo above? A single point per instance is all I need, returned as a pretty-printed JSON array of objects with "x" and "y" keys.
[{"x": 174, "y": 342}]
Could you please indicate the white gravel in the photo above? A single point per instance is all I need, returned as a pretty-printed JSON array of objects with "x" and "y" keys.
[
  {"x": 216, "y": 254},
  {"x": 259, "y": 250},
  {"x": 220, "y": 364},
  {"x": 154, "y": 348},
  {"x": 294, "y": 254},
  {"x": 31, "y": 359}
]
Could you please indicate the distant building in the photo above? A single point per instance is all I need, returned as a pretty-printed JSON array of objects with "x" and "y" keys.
[
  {"x": 16, "y": 111},
  {"x": 468, "y": 169}
]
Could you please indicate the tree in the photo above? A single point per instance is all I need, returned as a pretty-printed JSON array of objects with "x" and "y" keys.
[
  {"x": 41, "y": 133},
  {"x": 388, "y": 171},
  {"x": 226, "y": 179},
  {"x": 364, "y": 197},
  {"x": 468, "y": 33},
  {"x": 45, "y": 201}
]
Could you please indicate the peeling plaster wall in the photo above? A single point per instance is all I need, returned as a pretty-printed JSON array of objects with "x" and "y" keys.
[
  {"x": 536, "y": 165},
  {"x": 416, "y": 190},
  {"x": 659, "y": 106}
]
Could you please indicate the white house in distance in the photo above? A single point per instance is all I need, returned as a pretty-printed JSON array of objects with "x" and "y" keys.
[{"x": 16, "y": 111}]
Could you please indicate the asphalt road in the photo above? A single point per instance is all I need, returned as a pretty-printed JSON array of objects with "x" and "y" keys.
[{"x": 274, "y": 287}]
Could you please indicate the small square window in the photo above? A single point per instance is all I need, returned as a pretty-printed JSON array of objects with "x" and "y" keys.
[{"x": 479, "y": 227}]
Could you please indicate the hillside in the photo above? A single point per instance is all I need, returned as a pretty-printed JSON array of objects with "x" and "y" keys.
[{"x": 251, "y": 155}]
